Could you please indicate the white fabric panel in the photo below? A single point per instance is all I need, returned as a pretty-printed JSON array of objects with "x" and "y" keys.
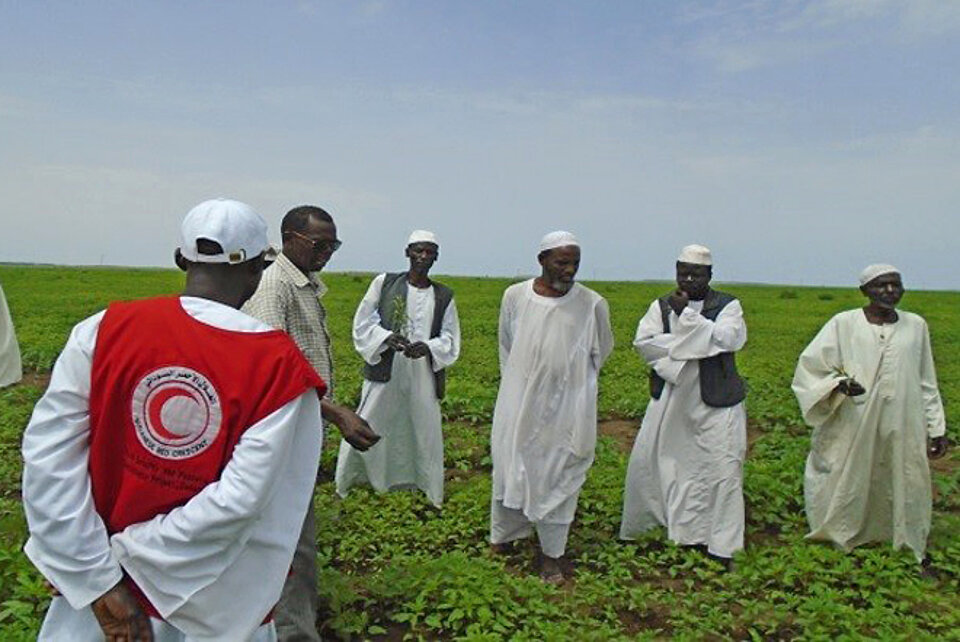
[{"x": 11, "y": 370}]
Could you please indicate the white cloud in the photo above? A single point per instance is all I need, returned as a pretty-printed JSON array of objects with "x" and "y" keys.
[
  {"x": 131, "y": 216},
  {"x": 826, "y": 14},
  {"x": 739, "y": 56},
  {"x": 373, "y": 8},
  {"x": 751, "y": 35},
  {"x": 14, "y": 106},
  {"x": 931, "y": 17}
]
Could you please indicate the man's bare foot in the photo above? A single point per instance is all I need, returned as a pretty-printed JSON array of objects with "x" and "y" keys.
[
  {"x": 550, "y": 571},
  {"x": 927, "y": 570},
  {"x": 506, "y": 548}
]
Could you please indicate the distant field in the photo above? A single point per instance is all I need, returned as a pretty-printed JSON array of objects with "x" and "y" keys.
[{"x": 393, "y": 567}]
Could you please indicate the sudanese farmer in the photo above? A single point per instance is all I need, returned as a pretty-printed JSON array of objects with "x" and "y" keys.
[
  {"x": 686, "y": 468},
  {"x": 554, "y": 337},
  {"x": 407, "y": 331},
  {"x": 868, "y": 387}
]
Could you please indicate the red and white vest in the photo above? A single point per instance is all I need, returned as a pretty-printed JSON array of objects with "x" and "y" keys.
[{"x": 170, "y": 397}]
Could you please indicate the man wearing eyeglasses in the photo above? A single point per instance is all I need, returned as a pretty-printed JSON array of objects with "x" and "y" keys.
[{"x": 289, "y": 299}]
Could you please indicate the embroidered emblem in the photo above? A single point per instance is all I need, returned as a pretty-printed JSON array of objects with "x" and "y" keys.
[{"x": 176, "y": 412}]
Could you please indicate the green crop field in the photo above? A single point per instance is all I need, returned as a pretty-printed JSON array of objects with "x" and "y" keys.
[{"x": 392, "y": 567}]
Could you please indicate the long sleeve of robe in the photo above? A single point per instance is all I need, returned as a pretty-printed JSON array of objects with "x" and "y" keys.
[
  {"x": 867, "y": 476},
  {"x": 686, "y": 467},
  {"x": 404, "y": 411},
  {"x": 545, "y": 420},
  {"x": 213, "y": 567}
]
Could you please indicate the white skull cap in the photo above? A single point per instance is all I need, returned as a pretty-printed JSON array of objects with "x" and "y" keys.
[
  {"x": 422, "y": 236},
  {"x": 558, "y": 239},
  {"x": 696, "y": 254},
  {"x": 877, "y": 269},
  {"x": 240, "y": 231}
]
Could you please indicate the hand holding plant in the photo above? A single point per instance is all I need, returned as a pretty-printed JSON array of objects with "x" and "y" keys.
[
  {"x": 397, "y": 342},
  {"x": 848, "y": 385}
]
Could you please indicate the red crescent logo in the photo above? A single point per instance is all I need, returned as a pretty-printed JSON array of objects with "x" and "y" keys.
[
  {"x": 155, "y": 408},
  {"x": 176, "y": 412}
]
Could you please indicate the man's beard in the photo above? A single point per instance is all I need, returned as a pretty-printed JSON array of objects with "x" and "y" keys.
[{"x": 561, "y": 286}]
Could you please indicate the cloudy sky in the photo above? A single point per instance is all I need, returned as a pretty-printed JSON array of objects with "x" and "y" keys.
[{"x": 799, "y": 140}]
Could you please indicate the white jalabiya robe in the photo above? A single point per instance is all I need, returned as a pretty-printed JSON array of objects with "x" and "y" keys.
[
  {"x": 686, "y": 468},
  {"x": 213, "y": 567},
  {"x": 545, "y": 420},
  {"x": 867, "y": 476},
  {"x": 10, "y": 368},
  {"x": 404, "y": 411}
]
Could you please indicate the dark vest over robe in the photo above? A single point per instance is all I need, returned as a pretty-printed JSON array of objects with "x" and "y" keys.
[
  {"x": 720, "y": 384},
  {"x": 395, "y": 285}
]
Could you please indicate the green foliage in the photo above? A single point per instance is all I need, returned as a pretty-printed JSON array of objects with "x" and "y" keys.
[
  {"x": 23, "y": 592},
  {"x": 393, "y": 567}
]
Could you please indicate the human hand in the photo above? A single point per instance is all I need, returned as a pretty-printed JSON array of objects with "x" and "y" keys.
[
  {"x": 356, "y": 430},
  {"x": 937, "y": 447},
  {"x": 850, "y": 387},
  {"x": 397, "y": 342},
  {"x": 678, "y": 301},
  {"x": 121, "y": 617},
  {"x": 417, "y": 350}
]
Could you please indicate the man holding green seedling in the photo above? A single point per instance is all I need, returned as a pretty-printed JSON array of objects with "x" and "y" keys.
[
  {"x": 686, "y": 468},
  {"x": 408, "y": 332},
  {"x": 554, "y": 337},
  {"x": 868, "y": 387}
]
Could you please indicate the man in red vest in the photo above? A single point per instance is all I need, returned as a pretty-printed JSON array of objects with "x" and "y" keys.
[{"x": 171, "y": 461}]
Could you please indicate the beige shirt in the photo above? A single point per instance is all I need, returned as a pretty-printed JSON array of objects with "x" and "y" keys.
[{"x": 289, "y": 300}]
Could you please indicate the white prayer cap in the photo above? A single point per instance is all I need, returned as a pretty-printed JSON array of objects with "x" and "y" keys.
[
  {"x": 240, "y": 231},
  {"x": 696, "y": 254},
  {"x": 877, "y": 269},
  {"x": 422, "y": 236},
  {"x": 558, "y": 239}
]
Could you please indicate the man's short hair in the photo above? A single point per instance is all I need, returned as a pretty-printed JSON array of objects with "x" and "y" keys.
[{"x": 296, "y": 219}]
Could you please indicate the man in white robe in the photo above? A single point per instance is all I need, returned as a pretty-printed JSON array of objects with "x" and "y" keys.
[
  {"x": 408, "y": 332},
  {"x": 686, "y": 468},
  {"x": 868, "y": 387},
  {"x": 212, "y": 567},
  {"x": 10, "y": 368},
  {"x": 554, "y": 337}
]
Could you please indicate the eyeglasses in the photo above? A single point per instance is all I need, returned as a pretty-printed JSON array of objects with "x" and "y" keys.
[{"x": 319, "y": 247}]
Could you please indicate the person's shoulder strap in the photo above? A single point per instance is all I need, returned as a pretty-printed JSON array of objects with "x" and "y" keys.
[
  {"x": 664, "y": 303},
  {"x": 390, "y": 278},
  {"x": 442, "y": 293}
]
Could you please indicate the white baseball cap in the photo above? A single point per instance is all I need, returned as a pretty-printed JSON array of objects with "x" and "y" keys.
[{"x": 240, "y": 231}]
